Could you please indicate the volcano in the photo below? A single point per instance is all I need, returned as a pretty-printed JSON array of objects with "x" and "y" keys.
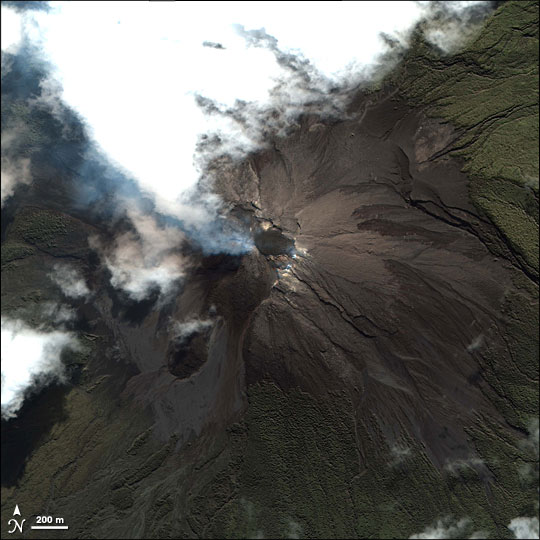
[{"x": 367, "y": 369}]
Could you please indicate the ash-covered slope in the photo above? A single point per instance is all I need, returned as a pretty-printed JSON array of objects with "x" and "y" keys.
[
  {"x": 388, "y": 291},
  {"x": 370, "y": 370}
]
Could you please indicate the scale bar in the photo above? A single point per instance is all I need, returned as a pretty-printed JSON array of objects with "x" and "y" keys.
[{"x": 49, "y": 527}]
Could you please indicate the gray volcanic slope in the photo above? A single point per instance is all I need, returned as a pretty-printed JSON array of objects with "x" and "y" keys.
[{"x": 369, "y": 369}]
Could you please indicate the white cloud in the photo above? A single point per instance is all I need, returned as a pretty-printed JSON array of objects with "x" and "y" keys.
[
  {"x": 400, "y": 453},
  {"x": 56, "y": 314},
  {"x": 30, "y": 359},
  {"x": 525, "y": 527},
  {"x": 528, "y": 471},
  {"x": 528, "y": 527},
  {"x": 453, "y": 24},
  {"x": 476, "y": 343},
  {"x": 50, "y": 98},
  {"x": 445, "y": 528},
  {"x": 69, "y": 279},
  {"x": 148, "y": 90},
  {"x": 148, "y": 258},
  {"x": 12, "y": 28},
  {"x": 13, "y": 172},
  {"x": 478, "y": 535},
  {"x": 153, "y": 59},
  {"x": 294, "y": 529},
  {"x": 533, "y": 438},
  {"x": 181, "y": 330},
  {"x": 457, "y": 465}
]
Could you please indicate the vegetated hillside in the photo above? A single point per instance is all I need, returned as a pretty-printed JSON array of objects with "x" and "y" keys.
[
  {"x": 489, "y": 92},
  {"x": 378, "y": 378}
]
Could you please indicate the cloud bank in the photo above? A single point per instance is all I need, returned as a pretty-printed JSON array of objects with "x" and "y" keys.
[
  {"x": 166, "y": 90},
  {"x": 156, "y": 59}
]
